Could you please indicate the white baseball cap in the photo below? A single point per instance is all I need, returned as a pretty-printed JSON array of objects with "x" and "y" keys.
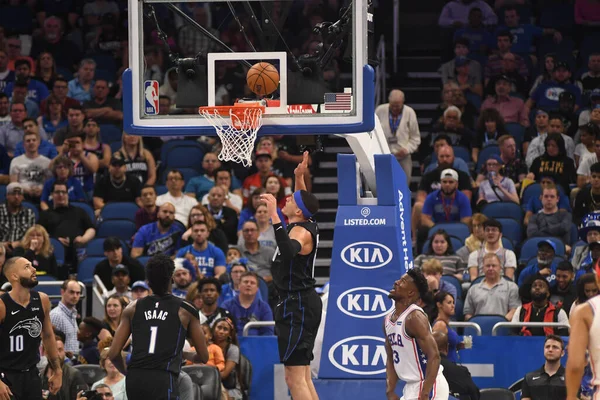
[{"x": 449, "y": 173}]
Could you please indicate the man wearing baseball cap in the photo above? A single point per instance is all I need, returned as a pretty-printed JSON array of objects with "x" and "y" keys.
[
  {"x": 546, "y": 95},
  {"x": 447, "y": 204},
  {"x": 120, "y": 280},
  {"x": 544, "y": 264}
]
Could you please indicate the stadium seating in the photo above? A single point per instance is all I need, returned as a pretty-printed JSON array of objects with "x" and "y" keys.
[
  {"x": 208, "y": 380},
  {"x": 463, "y": 153},
  {"x": 33, "y": 207},
  {"x": 59, "y": 251},
  {"x": 160, "y": 189},
  {"x": 185, "y": 157},
  {"x": 456, "y": 244},
  {"x": 122, "y": 228},
  {"x": 486, "y": 322},
  {"x": 85, "y": 269},
  {"x": 529, "y": 247},
  {"x": 110, "y": 133},
  {"x": 92, "y": 373},
  {"x": 95, "y": 247},
  {"x": 119, "y": 210},
  {"x": 454, "y": 282},
  {"x": 496, "y": 394},
  {"x": 87, "y": 208},
  {"x": 517, "y": 131},
  {"x": 503, "y": 209},
  {"x": 171, "y": 144},
  {"x": 459, "y": 305},
  {"x": 507, "y": 243},
  {"x": 484, "y": 154},
  {"x": 456, "y": 229},
  {"x": 512, "y": 229},
  {"x": 143, "y": 260}
]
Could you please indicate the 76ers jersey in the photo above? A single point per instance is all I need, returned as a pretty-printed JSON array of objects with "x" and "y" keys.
[{"x": 410, "y": 363}]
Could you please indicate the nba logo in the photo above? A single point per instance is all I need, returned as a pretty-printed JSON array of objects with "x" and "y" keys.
[{"x": 151, "y": 96}]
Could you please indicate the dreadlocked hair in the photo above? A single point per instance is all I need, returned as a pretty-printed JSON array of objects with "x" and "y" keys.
[
  {"x": 159, "y": 272},
  {"x": 420, "y": 281}
]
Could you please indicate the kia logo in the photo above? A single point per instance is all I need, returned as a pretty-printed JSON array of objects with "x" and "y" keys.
[
  {"x": 365, "y": 302},
  {"x": 366, "y": 255},
  {"x": 359, "y": 355}
]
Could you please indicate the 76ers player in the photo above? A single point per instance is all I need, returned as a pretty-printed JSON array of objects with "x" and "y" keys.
[
  {"x": 412, "y": 353},
  {"x": 585, "y": 336}
]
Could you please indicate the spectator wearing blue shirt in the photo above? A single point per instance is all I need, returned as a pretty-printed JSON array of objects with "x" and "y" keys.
[
  {"x": 62, "y": 170},
  {"x": 6, "y": 75},
  {"x": 80, "y": 88},
  {"x": 546, "y": 95},
  {"x": 246, "y": 307},
  {"x": 199, "y": 186},
  {"x": 480, "y": 39},
  {"x": 545, "y": 264},
  {"x": 37, "y": 91},
  {"x": 161, "y": 236},
  {"x": 589, "y": 267},
  {"x": 446, "y": 204},
  {"x": 19, "y": 95},
  {"x": 205, "y": 258},
  {"x": 524, "y": 34}
]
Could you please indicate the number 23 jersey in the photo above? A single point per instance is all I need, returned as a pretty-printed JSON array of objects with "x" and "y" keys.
[{"x": 410, "y": 362}]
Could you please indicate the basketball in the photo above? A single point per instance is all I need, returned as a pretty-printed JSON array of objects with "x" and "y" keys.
[{"x": 263, "y": 78}]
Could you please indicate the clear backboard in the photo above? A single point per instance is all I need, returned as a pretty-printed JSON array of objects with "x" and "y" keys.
[{"x": 206, "y": 49}]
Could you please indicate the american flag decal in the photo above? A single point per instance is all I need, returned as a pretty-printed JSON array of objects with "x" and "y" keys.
[{"x": 338, "y": 101}]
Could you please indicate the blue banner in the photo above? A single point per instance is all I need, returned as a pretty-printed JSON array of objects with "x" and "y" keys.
[{"x": 371, "y": 250}]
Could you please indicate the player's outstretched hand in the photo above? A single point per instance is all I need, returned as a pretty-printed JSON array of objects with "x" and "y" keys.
[
  {"x": 55, "y": 382},
  {"x": 303, "y": 166},
  {"x": 393, "y": 396},
  {"x": 5, "y": 393},
  {"x": 271, "y": 203}
]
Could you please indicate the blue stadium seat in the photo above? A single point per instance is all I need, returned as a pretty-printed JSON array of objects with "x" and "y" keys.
[
  {"x": 119, "y": 210},
  {"x": 462, "y": 152},
  {"x": 507, "y": 243},
  {"x": 115, "y": 146},
  {"x": 121, "y": 228},
  {"x": 188, "y": 173},
  {"x": 59, "y": 251},
  {"x": 474, "y": 99},
  {"x": 486, "y": 322},
  {"x": 85, "y": 269},
  {"x": 574, "y": 234},
  {"x": 65, "y": 72},
  {"x": 454, "y": 282},
  {"x": 171, "y": 144},
  {"x": 87, "y": 208},
  {"x": 184, "y": 157},
  {"x": 484, "y": 154},
  {"x": 110, "y": 133},
  {"x": 105, "y": 62},
  {"x": 529, "y": 247},
  {"x": 503, "y": 209},
  {"x": 104, "y": 74},
  {"x": 456, "y": 244},
  {"x": 32, "y": 206},
  {"x": 512, "y": 229},
  {"x": 95, "y": 247},
  {"x": 533, "y": 190},
  {"x": 2, "y": 193},
  {"x": 459, "y": 306},
  {"x": 517, "y": 131},
  {"x": 457, "y": 229},
  {"x": 160, "y": 189},
  {"x": 143, "y": 260},
  {"x": 264, "y": 289}
]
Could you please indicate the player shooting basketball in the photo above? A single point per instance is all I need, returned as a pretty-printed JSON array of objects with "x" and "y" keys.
[{"x": 298, "y": 314}]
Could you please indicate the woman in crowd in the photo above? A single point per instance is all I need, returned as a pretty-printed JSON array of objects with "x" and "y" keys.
[
  {"x": 266, "y": 231},
  {"x": 554, "y": 163},
  {"x": 475, "y": 239},
  {"x": 440, "y": 248},
  {"x": 216, "y": 236},
  {"x": 54, "y": 118},
  {"x": 445, "y": 309},
  {"x": 45, "y": 69},
  {"x": 114, "y": 379},
  {"x": 273, "y": 186},
  {"x": 194, "y": 296},
  {"x": 586, "y": 289},
  {"x": 224, "y": 336},
  {"x": 62, "y": 171},
  {"x": 139, "y": 161},
  {"x": 113, "y": 308},
  {"x": 490, "y": 127},
  {"x": 93, "y": 143},
  {"x": 546, "y": 75},
  {"x": 36, "y": 247},
  {"x": 496, "y": 187}
]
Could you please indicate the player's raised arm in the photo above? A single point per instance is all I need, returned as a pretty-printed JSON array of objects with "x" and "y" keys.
[
  {"x": 580, "y": 321},
  {"x": 417, "y": 326},
  {"x": 300, "y": 171},
  {"x": 49, "y": 341},
  {"x": 120, "y": 339},
  {"x": 195, "y": 332},
  {"x": 391, "y": 378}
]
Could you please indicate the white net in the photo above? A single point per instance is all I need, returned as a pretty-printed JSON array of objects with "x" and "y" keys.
[{"x": 237, "y": 131}]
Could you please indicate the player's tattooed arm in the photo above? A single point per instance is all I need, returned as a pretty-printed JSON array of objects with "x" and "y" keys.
[{"x": 417, "y": 326}]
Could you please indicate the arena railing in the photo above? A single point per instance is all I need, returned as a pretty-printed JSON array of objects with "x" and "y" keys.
[
  {"x": 256, "y": 324},
  {"x": 456, "y": 324},
  {"x": 528, "y": 324},
  {"x": 98, "y": 299}
]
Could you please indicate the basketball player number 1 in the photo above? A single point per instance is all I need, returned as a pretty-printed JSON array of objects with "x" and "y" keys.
[{"x": 153, "y": 333}]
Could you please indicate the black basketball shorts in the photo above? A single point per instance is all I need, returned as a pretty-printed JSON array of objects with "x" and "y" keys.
[
  {"x": 144, "y": 384},
  {"x": 297, "y": 319},
  {"x": 25, "y": 385}
]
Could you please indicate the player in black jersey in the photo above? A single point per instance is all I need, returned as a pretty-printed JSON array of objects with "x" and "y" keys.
[
  {"x": 298, "y": 314},
  {"x": 24, "y": 322},
  {"x": 159, "y": 325}
]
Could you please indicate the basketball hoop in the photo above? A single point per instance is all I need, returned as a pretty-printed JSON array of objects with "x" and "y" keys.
[{"x": 236, "y": 126}]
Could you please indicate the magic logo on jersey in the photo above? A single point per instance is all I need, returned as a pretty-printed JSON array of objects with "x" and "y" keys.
[
  {"x": 31, "y": 325},
  {"x": 151, "y": 97}
]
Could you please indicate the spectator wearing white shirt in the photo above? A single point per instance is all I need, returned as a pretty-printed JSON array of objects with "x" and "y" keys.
[
  {"x": 401, "y": 128},
  {"x": 30, "y": 169},
  {"x": 584, "y": 173},
  {"x": 586, "y": 147},
  {"x": 492, "y": 245},
  {"x": 183, "y": 204},
  {"x": 536, "y": 148}
]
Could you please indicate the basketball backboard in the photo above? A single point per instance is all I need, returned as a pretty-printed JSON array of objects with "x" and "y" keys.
[{"x": 326, "y": 85}]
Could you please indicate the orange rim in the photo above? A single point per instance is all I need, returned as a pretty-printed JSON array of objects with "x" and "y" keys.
[{"x": 238, "y": 109}]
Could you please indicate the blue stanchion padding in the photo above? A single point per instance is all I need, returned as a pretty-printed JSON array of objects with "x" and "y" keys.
[
  {"x": 263, "y": 354},
  {"x": 371, "y": 250}
]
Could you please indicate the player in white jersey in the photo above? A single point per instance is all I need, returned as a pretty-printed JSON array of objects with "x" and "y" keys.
[
  {"x": 412, "y": 353},
  {"x": 585, "y": 336}
]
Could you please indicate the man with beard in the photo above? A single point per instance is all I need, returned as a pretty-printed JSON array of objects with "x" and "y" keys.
[
  {"x": 206, "y": 258},
  {"x": 182, "y": 280},
  {"x": 64, "y": 316},
  {"x": 113, "y": 251},
  {"x": 72, "y": 379},
  {"x": 546, "y": 94},
  {"x": 544, "y": 265},
  {"x": 589, "y": 266},
  {"x": 210, "y": 289},
  {"x": 564, "y": 293},
  {"x": 25, "y": 321},
  {"x": 548, "y": 382},
  {"x": 446, "y": 204},
  {"x": 540, "y": 309},
  {"x": 408, "y": 322},
  {"x": 161, "y": 236}
]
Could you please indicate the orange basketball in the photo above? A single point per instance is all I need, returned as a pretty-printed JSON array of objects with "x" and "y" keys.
[{"x": 263, "y": 78}]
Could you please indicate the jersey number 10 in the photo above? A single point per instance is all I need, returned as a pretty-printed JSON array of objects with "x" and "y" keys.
[{"x": 16, "y": 343}]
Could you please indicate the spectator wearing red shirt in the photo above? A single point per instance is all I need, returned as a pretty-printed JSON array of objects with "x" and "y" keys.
[{"x": 263, "y": 163}]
